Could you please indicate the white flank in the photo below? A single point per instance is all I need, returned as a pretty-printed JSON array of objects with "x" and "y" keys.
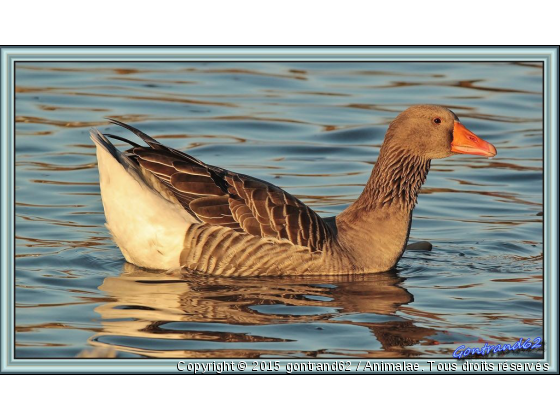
[{"x": 148, "y": 229}]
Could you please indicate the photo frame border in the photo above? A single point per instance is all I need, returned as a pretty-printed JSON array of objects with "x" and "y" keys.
[{"x": 10, "y": 55}]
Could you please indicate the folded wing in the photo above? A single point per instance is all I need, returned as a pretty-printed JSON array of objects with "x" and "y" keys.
[{"x": 219, "y": 197}]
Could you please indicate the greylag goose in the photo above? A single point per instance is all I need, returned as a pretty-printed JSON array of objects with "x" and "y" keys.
[{"x": 167, "y": 210}]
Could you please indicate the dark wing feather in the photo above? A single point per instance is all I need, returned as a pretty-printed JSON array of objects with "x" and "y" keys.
[{"x": 217, "y": 196}]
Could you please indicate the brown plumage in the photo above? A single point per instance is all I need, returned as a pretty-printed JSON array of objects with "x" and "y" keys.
[{"x": 236, "y": 225}]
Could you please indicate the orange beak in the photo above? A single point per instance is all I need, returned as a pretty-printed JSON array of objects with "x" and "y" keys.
[{"x": 466, "y": 142}]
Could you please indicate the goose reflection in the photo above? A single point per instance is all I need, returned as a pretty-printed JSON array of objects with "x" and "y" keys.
[{"x": 165, "y": 315}]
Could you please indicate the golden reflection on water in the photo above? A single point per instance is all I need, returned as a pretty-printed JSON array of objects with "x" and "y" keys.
[{"x": 140, "y": 302}]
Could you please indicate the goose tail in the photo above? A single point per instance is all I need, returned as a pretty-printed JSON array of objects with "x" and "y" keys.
[
  {"x": 105, "y": 144},
  {"x": 102, "y": 141}
]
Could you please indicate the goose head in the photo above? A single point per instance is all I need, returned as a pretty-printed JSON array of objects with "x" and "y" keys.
[{"x": 433, "y": 132}]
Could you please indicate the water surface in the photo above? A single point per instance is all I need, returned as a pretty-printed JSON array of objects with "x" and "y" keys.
[{"x": 314, "y": 129}]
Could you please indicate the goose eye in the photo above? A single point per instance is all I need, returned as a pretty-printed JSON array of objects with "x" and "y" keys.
[{"x": 437, "y": 120}]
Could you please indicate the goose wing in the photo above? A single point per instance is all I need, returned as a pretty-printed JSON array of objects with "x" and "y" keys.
[{"x": 216, "y": 196}]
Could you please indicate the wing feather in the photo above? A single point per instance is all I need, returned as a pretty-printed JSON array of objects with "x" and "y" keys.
[{"x": 219, "y": 197}]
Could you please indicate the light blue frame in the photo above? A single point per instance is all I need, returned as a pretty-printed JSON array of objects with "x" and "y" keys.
[{"x": 9, "y": 55}]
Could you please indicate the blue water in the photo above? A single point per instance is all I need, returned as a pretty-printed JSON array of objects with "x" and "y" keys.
[{"x": 315, "y": 130}]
